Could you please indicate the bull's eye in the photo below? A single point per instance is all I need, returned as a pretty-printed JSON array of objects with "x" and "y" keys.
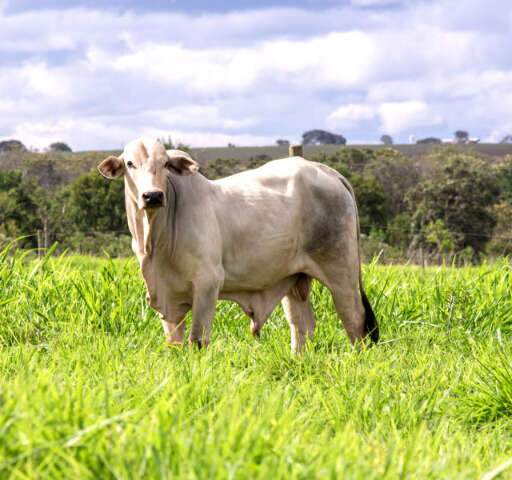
[{"x": 130, "y": 164}]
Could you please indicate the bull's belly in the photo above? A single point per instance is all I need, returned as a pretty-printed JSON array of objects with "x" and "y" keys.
[
  {"x": 259, "y": 304},
  {"x": 258, "y": 274}
]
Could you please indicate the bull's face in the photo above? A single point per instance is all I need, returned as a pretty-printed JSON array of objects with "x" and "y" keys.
[{"x": 146, "y": 173}]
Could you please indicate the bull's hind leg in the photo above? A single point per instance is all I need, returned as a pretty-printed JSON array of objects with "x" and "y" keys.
[
  {"x": 298, "y": 312},
  {"x": 340, "y": 273},
  {"x": 350, "y": 309},
  {"x": 351, "y": 303}
]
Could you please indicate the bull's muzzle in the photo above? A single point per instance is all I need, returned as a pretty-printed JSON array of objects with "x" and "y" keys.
[{"x": 154, "y": 199}]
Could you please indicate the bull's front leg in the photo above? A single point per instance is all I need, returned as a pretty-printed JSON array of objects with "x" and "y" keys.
[
  {"x": 203, "y": 310},
  {"x": 173, "y": 324}
]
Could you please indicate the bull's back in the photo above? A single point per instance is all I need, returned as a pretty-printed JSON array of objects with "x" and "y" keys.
[{"x": 274, "y": 216}]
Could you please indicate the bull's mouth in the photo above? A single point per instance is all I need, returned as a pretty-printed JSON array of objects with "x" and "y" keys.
[{"x": 152, "y": 207}]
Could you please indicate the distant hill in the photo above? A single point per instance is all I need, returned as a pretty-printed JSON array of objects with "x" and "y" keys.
[
  {"x": 245, "y": 154},
  {"x": 53, "y": 168}
]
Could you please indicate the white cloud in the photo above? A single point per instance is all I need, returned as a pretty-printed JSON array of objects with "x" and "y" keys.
[
  {"x": 351, "y": 115},
  {"x": 78, "y": 132},
  {"x": 375, "y": 3},
  {"x": 393, "y": 117},
  {"x": 231, "y": 70},
  {"x": 397, "y": 117}
]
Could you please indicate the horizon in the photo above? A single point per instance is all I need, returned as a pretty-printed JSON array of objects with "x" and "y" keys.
[{"x": 249, "y": 72}]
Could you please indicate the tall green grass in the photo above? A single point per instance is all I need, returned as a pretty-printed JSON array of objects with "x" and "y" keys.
[{"x": 88, "y": 389}]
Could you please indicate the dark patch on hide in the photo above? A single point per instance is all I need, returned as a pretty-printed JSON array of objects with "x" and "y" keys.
[{"x": 322, "y": 221}]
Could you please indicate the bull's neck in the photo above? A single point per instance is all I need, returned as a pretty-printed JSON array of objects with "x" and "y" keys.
[{"x": 150, "y": 230}]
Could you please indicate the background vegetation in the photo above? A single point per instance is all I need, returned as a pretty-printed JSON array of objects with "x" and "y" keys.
[{"x": 451, "y": 204}]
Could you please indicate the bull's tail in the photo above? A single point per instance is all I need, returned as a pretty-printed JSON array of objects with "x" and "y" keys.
[{"x": 371, "y": 326}]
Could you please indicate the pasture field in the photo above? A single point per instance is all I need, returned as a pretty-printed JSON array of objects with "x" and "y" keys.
[{"x": 88, "y": 390}]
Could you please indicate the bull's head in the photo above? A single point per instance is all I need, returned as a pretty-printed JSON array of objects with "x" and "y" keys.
[{"x": 146, "y": 173}]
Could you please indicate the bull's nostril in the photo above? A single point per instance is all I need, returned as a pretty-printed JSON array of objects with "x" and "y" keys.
[{"x": 153, "y": 198}]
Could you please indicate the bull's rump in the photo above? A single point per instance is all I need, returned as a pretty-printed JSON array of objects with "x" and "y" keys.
[{"x": 278, "y": 217}]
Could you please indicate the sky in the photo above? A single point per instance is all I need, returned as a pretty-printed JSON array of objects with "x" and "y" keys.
[{"x": 97, "y": 74}]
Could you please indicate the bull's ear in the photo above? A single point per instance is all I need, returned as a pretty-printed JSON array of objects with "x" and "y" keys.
[
  {"x": 181, "y": 163},
  {"x": 112, "y": 167}
]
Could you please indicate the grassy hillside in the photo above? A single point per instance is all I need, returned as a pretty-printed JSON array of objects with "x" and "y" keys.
[{"x": 88, "y": 389}]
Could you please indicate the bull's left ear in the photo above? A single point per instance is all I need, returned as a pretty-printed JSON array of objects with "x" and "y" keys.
[
  {"x": 112, "y": 167},
  {"x": 181, "y": 163}
]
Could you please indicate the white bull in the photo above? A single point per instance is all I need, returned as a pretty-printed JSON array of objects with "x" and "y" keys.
[{"x": 257, "y": 238}]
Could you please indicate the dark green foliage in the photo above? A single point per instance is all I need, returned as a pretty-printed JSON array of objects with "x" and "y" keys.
[
  {"x": 93, "y": 204},
  {"x": 23, "y": 207},
  {"x": 429, "y": 141},
  {"x": 221, "y": 168},
  {"x": 460, "y": 192},
  {"x": 504, "y": 176},
  {"x": 347, "y": 159},
  {"x": 322, "y": 137},
  {"x": 500, "y": 243},
  {"x": 59, "y": 147},
  {"x": 398, "y": 231},
  {"x": 396, "y": 173},
  {"x": 9, "y": 179},
  {"x": 371, "y": 201}
]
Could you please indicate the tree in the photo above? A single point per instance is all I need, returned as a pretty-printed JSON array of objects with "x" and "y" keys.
[
  {"x": 461, "y": 136},
  {"x": 507, "y": 139},
  {"x": 429, "y": 141},
  {"x": 504, "y": 175},
  {"x": 59, "y": 147},
  {"x": 91, "y": 204},
  {"x": 459, "y": 191},
  {"x": 437, "y": 234},
  {"x": 322, "y": 137},
  {"x": 9, "y": 179},
  {"x": 23, "y": 207},
  {"x": 372, "y": 202},
  {"x": 386, "y": 139},
  {"x": 501, "y": 240},
  {"x": 12, "y": 146},
  {"x": 397, "y": 173},
  {"x": 167, "y": 142},
  {"x": 351, "y": 160},
  {"x": 282, "y": 143},
  {"x": 169, "y": 145}
]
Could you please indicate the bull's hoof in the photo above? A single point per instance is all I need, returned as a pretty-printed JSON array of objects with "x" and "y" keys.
[
  {"x": 255, "y": 329},
  {"x": 198, "y": 343}
]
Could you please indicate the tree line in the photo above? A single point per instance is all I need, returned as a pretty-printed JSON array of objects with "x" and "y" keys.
[{"x": 450, "y": 204}]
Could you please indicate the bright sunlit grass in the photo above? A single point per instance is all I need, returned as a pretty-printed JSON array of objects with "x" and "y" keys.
[{"x": 88, "y": 389}]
